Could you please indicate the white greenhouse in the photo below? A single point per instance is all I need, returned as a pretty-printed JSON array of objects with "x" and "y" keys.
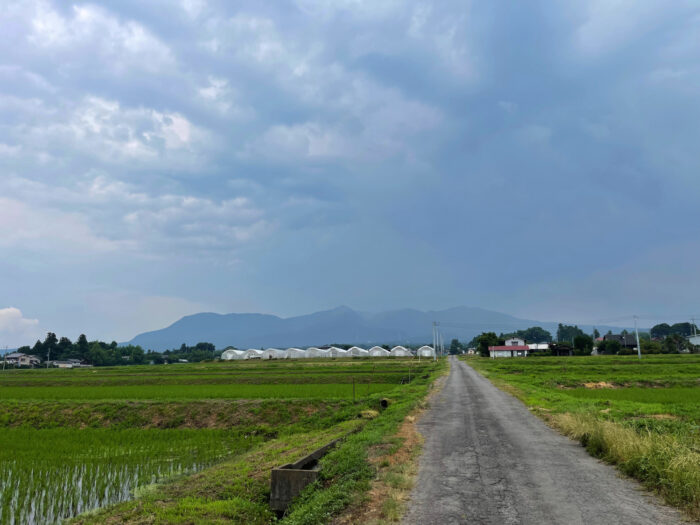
[
  {"x": 356, "y": 351},
  {"x": 426, "y": 351},
  {"x": 296, "y": 353},
  {"x": 400, "y": 351},
  {"x": 232, "y": 354},
  {"x": 337, "y": 352},
  {"x": 378, "y": 351},
  {"x": 273, "y": 353},
  {"x": 317, "y": 352},
  {"x": 252, "y": 354}
]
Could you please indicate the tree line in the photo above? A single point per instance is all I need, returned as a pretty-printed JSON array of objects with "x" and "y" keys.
[
  {"x": 572, "y": 340},
  {"x": 100, "y": 353}
]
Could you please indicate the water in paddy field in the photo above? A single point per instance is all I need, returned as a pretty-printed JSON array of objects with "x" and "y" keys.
[
  {"x": 51, "y": 494},
  {"x": 54, "y": 485}
]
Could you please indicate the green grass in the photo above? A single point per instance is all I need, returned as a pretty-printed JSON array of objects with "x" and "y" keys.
[
  {"x": 47, "y": 475},
  {"x": 643, "y": 416},
  {"x": 236, "y": 391},
  {"x": 207, "y": 434}
]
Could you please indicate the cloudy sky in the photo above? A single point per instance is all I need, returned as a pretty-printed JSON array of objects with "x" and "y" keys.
[{"x": 162, "y": 158}]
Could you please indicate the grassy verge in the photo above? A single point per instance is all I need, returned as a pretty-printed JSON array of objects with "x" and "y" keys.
[
  {"x": 233, "y": 491},
  {"x": 348, "y": 472},
  {"x": 642, "y": 417}
]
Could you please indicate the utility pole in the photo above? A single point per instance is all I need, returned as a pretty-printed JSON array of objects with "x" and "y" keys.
[
  {"x": 48, "y": 356},
  {"x": 639, "y": 347}
]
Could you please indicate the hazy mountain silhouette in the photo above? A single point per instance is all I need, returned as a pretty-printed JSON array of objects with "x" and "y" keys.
[{"x": 339, "y": 325}]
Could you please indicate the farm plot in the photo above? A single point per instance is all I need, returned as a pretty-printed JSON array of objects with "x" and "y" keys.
[
  {"x": 643, "y": 415},
  {"x": 73, "y": 442}
]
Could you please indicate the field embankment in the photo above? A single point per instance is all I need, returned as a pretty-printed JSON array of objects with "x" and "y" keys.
[
  {"x": 186, "y": 443},
  {"x": 643, "y": 416}
]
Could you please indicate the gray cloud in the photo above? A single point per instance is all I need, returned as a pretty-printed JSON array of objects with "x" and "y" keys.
[{"x": 291, "y": 156}]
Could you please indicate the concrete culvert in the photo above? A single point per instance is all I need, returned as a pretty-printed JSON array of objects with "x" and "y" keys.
[{"x": 384, "y": 403}]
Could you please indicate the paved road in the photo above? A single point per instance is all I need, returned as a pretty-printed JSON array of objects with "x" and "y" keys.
[{"x": 488, "y": 460}]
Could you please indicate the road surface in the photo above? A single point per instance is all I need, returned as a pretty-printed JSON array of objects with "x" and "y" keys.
[{"x": 488, "y": 460}]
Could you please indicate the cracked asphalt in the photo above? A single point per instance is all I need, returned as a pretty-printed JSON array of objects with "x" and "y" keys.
[{"x": 488, "y": 460}]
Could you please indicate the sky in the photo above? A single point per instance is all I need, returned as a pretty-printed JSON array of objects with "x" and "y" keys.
[{"x": 159, "y": 159}]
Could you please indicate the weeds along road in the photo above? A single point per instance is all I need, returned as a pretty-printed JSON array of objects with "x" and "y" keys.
[{"x": 487, "y": 459}]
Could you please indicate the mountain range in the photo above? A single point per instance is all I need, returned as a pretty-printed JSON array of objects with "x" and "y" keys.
[{"x": 340, "y": 325}]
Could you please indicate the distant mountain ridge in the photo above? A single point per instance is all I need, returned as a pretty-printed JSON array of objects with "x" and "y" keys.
[{"x": 338, "y": 325}]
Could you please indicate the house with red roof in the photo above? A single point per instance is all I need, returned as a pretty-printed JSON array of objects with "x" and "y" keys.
[{"x": 513, "y": 347}]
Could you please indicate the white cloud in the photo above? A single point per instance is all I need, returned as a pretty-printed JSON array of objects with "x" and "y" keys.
[
  {"x": 107, "y": 131},
  {"x": 118, "y": 45},
  {"x": 7, "y": 150},
  {"x": 608, "y": 25},
  {"x": 15, "y": 329},
  {"x": 112, "y": 215},
  {"x": 49, "y": 230}
]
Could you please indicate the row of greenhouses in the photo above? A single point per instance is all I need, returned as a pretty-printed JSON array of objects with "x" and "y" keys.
[{"x": 231, "y": 354}]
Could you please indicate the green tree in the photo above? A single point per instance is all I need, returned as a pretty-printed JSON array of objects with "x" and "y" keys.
[
  {"x": 64, "y": 348},
  {"x": 455, "y": 347},
  {"x": 583, "y": 344},
  {"x": 485, "y": 340},
  {"x": 97, "y": 355},
  {"x": 609, "y": 347},
  {"x": 82, "y": 347},
  {"x": 660, "y": 331},
  {"x": 568, "y": 333},
  {"x": 535, "y": 334},
  {"x": 596, "y": 333},
  {"x": 37, "y": 349},
  {"x": 684, "y": 329},
  {"x": 49, "y": 345}
]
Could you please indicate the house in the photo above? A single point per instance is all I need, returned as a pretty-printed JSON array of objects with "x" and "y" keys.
[
  {"x": 514, "y": 347},
  {"x": 20, "y": 359}
]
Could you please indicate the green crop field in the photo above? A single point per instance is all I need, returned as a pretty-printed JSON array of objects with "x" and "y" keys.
[
  {"x": 643, "y": 415},
  {"x": 74, "y": 441}
]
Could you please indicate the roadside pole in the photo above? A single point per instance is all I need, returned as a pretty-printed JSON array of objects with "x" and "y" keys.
[{"x": 639, "y": 347}]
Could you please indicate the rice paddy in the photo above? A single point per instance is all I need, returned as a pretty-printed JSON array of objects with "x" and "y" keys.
[{"x": 72, "y": 441}]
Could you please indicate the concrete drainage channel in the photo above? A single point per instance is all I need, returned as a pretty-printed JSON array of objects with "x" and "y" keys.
[{"x": 287, "y": 481}]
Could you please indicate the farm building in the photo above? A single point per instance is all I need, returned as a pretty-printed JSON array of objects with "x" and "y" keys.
[
  {"x": 273, "y": 353},
  {"x": 400, "y": 351},
  {"x": 231, "y": 354},
  {"x": 337, "y": 352},
  {"x": 356, "y": 351},
  {"x": 426, "y": 351},
  {"x": 296, "y": 353},
  {"x": 378, "y": 351},
  {"x": 252, "y": 354}
]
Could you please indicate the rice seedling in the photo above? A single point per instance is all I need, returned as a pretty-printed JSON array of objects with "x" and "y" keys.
[{"x": 48, "y": 475}]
